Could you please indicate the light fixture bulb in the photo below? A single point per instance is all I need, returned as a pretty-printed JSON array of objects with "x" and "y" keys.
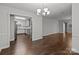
[
  {"x": 43, "y": 13},
  {"x": 45, "y": 9},
  {"x": 39, "y": 10},
  {"x": 48, "y": 12}
]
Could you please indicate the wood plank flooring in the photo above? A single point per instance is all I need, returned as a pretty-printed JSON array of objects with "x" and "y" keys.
[
  {"x": 54, "y": 44},
  {"x": 19, "y": 47}
]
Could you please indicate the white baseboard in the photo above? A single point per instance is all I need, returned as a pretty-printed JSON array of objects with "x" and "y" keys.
[
  {"x": 6, "y": 46},
  {"x": 49, "y": 34},
  {"x": 12, "y": 40},
  {"x": 37, "y": 39},
  {"x": 75, "y": 50}
]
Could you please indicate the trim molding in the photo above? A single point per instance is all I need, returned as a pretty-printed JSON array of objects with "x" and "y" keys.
[
  {"x": 75, "y": 50},
  {"x": 37, "y": 39},
  {"x": 12, "y": 39},
  {"x": 51, "y": 34},
  {"x": 5, "y": 47}
]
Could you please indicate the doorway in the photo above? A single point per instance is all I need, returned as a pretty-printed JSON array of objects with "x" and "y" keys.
[{"x": 20, "y": 25}]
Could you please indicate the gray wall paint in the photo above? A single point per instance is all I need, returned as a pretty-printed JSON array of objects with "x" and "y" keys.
[
  {"x": 75, "y": 27},
  {"x": 50, "y": 26},
  {"x": 60, "y": 26},
  {"x": 12, "y": 28},
  {"x": 4, "y": 27}
]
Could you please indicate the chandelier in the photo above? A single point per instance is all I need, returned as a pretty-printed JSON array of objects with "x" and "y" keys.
[{"x": 43, "y": 12}]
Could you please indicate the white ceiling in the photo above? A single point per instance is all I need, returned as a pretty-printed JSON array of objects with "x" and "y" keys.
[{"x": 58, "y": 10}]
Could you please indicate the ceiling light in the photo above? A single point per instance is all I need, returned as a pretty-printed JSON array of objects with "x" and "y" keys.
[
  {"x": 39, "y": 10},
  {"x": 43, "y": 12},
  {"x": 48, "y": 12},
  {"x": 45, "y": 9}
]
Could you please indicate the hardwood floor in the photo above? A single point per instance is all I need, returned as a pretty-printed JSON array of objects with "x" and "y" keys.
[
  {"x": 19, "y": 47},
  {"x": 55, "y": 44}
]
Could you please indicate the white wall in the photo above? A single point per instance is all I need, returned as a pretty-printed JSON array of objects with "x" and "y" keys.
[
  {"x": 12, "y": 28},
  {"x": 75, "y": 27},
  {"x": 50, "y": 26},
  {"x": 37, "y": 30},
  {"x": 4, "y": 27},
  {"x": 5, "y": 24},
  {"x": 60, "y": 26}
]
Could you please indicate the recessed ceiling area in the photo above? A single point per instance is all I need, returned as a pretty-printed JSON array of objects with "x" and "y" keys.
[{"x": 57, "y": 10}]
